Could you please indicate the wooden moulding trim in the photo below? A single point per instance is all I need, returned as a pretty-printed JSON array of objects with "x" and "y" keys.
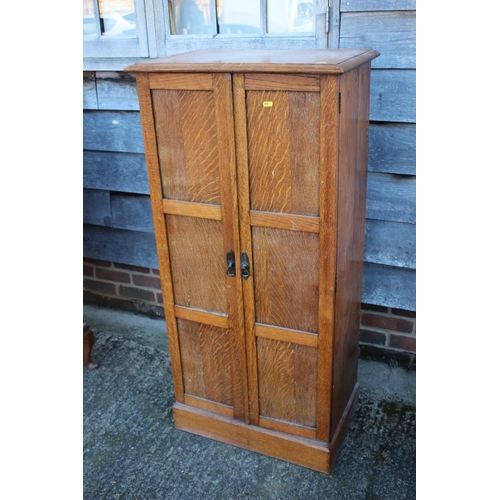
[
  {"x": 301, "y": 451},
  {"x": 286, "y": 335},
  {"x": 200, "y": 316},
  {"x": 181, "y": 81},
  {"x": 304, "y": 223},
  {"x": 212, "y": 406},
  {"x": 189, "y": 209},
  {"x": 294, "y": 429},
  {"x": 302, "y": 83}
]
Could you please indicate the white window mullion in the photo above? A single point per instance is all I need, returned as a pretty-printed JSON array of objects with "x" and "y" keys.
[
  {"x": 263, "y": 17},
  {"x": 97, "y": 19},
  {"x": 213, "y": 17}
]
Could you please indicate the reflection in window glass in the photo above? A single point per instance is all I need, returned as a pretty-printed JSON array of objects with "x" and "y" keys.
[
  {"x": 89, "y": 24},
  {"x": 190, "y": 17},
  {"x": 117, "y": 17},
  {"x": 235, "y": 17},
  {"x": 285, "y": 16}
]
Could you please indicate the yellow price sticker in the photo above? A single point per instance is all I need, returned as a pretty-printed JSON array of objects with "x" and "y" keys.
[{"x": 267, "y": 104}]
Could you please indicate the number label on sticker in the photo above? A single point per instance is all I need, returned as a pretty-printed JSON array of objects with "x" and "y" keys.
[{"x": 267, "y": 104}]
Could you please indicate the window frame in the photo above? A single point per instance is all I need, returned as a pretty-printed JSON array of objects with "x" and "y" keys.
[{"x": 155, "y": 40}]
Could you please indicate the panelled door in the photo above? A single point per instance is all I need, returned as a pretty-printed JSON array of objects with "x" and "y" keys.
[
  {"x": 286, "y": 154},
  {"x": 243, "y": 188},
  {"x": 191, "y": 163}
]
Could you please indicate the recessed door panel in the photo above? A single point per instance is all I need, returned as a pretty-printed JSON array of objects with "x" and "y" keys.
[
  {"x": 286, "y": 278},
  {"x": 283, "y": 151},
  {"x": 287, "y": 381},
  {"x": 206, "y": 361},
  {"x": 187, "y": 145},
  {"x": 197, "y": 258}
]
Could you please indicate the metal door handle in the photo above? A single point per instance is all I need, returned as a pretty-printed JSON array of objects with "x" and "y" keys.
[
  {"x": 245, "y": 266},
  {"x": 231, "y": 264}
]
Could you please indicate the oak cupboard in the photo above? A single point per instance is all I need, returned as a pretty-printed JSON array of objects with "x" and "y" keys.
[{"x": 257, "y": 164}]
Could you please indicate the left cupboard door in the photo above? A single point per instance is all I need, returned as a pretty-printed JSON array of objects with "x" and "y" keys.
[{"x": 188, "y": 127}]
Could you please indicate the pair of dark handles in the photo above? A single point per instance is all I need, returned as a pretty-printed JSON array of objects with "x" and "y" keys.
[{"x": 231, "y": 265}]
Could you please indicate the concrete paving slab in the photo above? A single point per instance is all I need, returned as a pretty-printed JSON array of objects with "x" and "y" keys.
[{"x": 132, "y": 450}]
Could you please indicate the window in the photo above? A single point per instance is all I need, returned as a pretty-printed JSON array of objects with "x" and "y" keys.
[
  {"x": 234, "y": 17},
  {"x": 114, "y": 28},
  {"x": 117, "y": 32}
]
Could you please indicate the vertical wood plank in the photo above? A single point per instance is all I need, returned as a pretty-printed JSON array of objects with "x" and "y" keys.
[
  {"x": 150, "y": 146},
  {"x": 327, "y": 236},
  {"x": 223, "y": 99},
  {"x": 246, "y": 240}
]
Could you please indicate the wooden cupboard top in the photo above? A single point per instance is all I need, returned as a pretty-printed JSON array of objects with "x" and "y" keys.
[{"x": 323, "y": 61}]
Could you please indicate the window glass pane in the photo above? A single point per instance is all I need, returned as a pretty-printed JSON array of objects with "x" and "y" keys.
[
  {"x": 89, "y": 24},
  {"x": 235, "y": 16},
  {"x": 117, "y": 17},
  {"x": 285, "y": 16},
  {"x": 190, "y": 17}
]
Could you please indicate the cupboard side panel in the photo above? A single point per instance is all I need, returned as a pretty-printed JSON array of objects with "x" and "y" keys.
[{"x": 353, "y": 158}]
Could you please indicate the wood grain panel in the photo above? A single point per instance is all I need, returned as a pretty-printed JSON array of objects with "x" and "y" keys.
[
  {"x": 283, "y": 151},
  {"x": 351, "y": 230},
  {"x": 285, "y": 273},
  {"x": 328, "y": 233},
  {"x": 286, "y": 334},
  {"x": 284, "y": 221},
  {"x": 198, "y": 316},
  {"x": 181, "y": 81},
  {"x": 187, "y": 145},
  {"x": 263, "y": 81},
  {"x": 287, "y": 381},
  {"x": 200, "y": 210},
  {"x": 206, "y": 365},
  {"x": 198, "y": 258}
]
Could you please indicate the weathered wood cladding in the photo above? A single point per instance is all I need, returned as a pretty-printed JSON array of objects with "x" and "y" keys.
[{"x": 117, "y": 220}]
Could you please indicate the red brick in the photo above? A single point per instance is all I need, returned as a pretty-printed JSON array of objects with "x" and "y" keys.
[
  {"x": 147, "y": 281},
  {"x": 136, "y": 269},
  {"x": 387, "y": 323},
  {"x": 136, "y": 293},
  {"x": 155, "y": 271},
  {"x": 100, "y": 287},
  {"x": 88, "y": 270},
  {"x": 159, "y": 298},
  {"x": 371, "y": 337},
  {"x": 403, "y": 342},
  {"x": 110, "y": 275}
]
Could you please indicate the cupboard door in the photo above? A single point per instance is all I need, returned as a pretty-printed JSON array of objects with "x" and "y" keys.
[
  {"x": 286, "y": 167},
  {"x": 193, "y": 193}
]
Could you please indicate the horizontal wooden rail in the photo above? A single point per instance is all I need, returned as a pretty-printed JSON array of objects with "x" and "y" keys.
[
  {"x": 199, "y": 316},
  {"x": 291, "y": 222},
  {"x": 190, "y": 209},
  {"x": 286, "y": 335}
]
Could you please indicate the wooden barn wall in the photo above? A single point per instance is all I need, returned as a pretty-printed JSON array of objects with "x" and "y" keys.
[{"x": 117, "y": 214}]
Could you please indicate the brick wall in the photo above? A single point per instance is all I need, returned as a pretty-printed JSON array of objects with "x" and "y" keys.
[{"x": 385, "y": 333}]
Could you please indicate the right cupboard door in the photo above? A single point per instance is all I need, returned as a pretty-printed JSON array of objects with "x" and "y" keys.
[{"x": 286, "y": 157}]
